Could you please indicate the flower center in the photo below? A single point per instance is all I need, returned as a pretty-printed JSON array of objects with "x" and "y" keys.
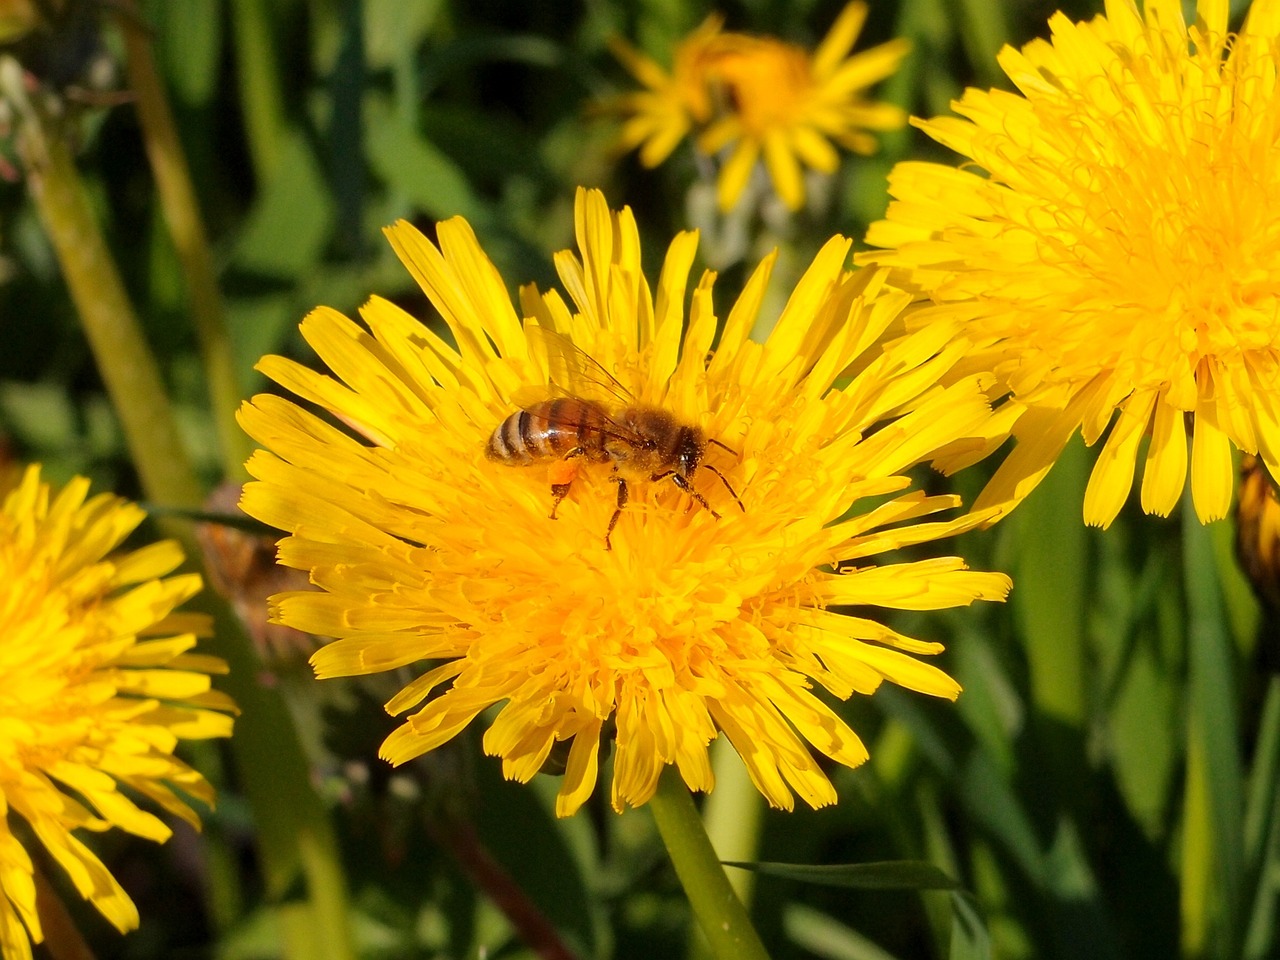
[{"x": 766, "y": 82}]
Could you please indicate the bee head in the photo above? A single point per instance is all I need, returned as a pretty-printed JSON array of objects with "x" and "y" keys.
[{"x": 689, "y": 449}]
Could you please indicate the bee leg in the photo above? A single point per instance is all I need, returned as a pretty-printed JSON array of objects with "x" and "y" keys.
[
  {"x": 687, "y": 487},
  {"x": 562, "y": 474},
  {"x": 559, "y": 491},
  {"x": 732, "y": 492},
  {"x": 623, "y": 496}
]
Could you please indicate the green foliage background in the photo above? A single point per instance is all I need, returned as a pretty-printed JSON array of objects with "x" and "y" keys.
[{"x": 1105, "y": 788}]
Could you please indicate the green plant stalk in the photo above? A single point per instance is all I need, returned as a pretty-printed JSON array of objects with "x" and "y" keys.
[
  {"x": 1052, "y": 590},
  {"x": 226, "y": 893},
  {"x": 295, "y": 834},
  {"x": 1262, "y": 826},
  {"x": 1195, "y": 870},
  {"x": 733, "y": 814},
  {"x": 983, "y": 32},
  {"x": 1213, "y": 822},
  {"x": 181, "y": 211},
  {"x": 260, "y": 95},
  {"x": 720, "y": 913},
  {"x": 1264, "y": 778},
  {"x": 128, "y": 368}
]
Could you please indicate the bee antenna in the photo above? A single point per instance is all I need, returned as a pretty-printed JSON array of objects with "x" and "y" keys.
[
  {"x": 724, "y": 446},
  {"x": 732, "y": 492}
]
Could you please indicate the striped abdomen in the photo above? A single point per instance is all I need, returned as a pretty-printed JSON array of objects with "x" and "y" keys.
[{"x": 549, "y": 430}]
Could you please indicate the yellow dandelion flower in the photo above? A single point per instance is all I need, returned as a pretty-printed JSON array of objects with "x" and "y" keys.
[
  {"x": 758, "y": 96},
  {"x": 1118, "y": 253},
  {"x": 99, "y": 687},
  {"x": 697, "y": 617},
  {"x": 788, "y": 105},
  {"x": 661, "y": 115}
]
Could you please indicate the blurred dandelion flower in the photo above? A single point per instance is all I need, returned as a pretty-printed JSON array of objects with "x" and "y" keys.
[
  {"x": 1258, "y": 530},
  {"x": 1120, "y": 259},
  {"x": 672, "y": 104},
  {"x": 99, "y": 688},
  {"x": 693, "y": 623},
  {"x": 754, "y": 96}
]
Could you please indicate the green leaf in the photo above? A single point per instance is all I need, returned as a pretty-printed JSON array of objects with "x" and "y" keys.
[
  {"x": 991, "y": 705},
  {"x": 40, "y": 414},
  {"x": 883, "y": 875},
  {"x": 1213, "y": 859},
  {"x": 1239, "y": 601},
  {"x": 827, "y": 937},
  {"x": 393, "y": 26},
  {"x": 521, "y": 834},
  {"x": 1262, "y": 832},
  {"x": 969, "y": 937},
  {"x": 1144, "y": 756},
  {"x": 291, "y": 220},
  {"x": 188, "y": 44},
  {"x": 1139, "y": 665},
  {"x": 983, "y": 32},
  {"x": 417, "y": 169},
  {"x": 258, "y": 326},
  {"x": 1050, "y": 597},
  {"x": 990, "y": 801},
  {"x": 461, "y": 57}
]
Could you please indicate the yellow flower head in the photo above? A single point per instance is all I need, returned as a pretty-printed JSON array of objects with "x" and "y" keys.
[
  {"x": 662, "y": 114},
  {"x": 1120, "y": 257},
  {"x": 98, "y": 689},
  {"x": 691, "y": 622},
  {"x": 762, "y": 96}
]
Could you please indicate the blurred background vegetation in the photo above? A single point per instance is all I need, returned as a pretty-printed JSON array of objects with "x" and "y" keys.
[{"x": 1105, "y": 788}]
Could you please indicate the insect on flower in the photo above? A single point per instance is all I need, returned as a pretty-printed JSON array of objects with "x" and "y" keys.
[{"x": 642, "y": 441}]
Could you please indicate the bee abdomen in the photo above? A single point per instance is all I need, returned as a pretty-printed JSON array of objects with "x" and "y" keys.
[
  {"x": 546, "y": 431},
  {"x": 505, "y": 443}
]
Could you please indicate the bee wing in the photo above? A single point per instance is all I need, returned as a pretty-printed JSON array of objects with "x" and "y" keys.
[
  {"x": 531, "y": 396},
  {"x": 530, "y": 400},
  {"x": 575, "y": 373}
]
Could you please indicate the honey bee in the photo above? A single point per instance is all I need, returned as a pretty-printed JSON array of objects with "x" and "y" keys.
[{"x": 640, "y": 440}]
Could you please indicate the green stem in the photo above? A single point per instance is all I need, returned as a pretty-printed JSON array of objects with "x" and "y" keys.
[
  {"x": 1053, "y": 590},
  {"x": 1213, "y": 821},
  {"x": 983, "y": 32},
  {"x": 181, "y": 211},
  {"x": 720, "y": 913},
  {"x": 128, "y": 368},
  {"x": 260, "y": 95},
  {"x": 294, "y": 832},
  {"x": 733, "y": 814},
  {"x": 295, "y": 836},
  {"x": 1262, "y": 827}
]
